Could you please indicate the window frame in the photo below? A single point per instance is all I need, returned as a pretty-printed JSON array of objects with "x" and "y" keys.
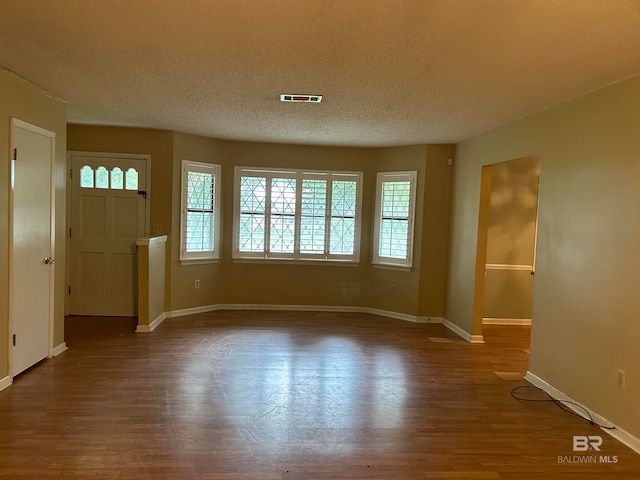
[
  {"x": 381, "y": 178},
  {"x": 206, "y": 255},
  {"x": 299, "y": 175}
]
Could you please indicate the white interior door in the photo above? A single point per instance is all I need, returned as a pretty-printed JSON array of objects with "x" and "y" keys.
[
  {"x": 32, "y": 267},
  {"x": 108, "y": 216}
]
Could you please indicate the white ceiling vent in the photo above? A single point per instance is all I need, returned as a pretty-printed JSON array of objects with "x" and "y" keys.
[{"x": 286, "y": 97}]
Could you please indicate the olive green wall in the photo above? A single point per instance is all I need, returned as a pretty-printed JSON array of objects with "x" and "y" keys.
[
  {"x": 513, "y": 209},
  {"x": 419, "y": 292},
  {"x": 585, "y": 307},
  {"x": 396, "y": 289},
  {"x": 436, "y": 213},
  {"x": 183, "y": 293},
  {"x": 274, "y": 283},
  {"x": 25, "y": 101},
  {"x": 508, "y": 295},
  {"x": 278, "y": 283}
]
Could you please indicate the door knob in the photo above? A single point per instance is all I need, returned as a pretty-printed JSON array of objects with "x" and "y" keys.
[{"x": 48, "y": 260}]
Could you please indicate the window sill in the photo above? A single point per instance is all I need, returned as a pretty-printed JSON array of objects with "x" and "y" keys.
[
  {"x": 289, "y": 261},
  {"x": 199, "y": 261},
  {"x": 391, "y": 266}
]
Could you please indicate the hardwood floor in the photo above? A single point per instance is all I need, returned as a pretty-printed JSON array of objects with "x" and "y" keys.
[{"x": 288, "y": 396}]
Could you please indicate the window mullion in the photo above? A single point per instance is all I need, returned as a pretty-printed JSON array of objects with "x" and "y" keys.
[
  {"x": 297, "y": 217},
  {"x": 327, "y": 217},
  {"x": 267, "y": 215}
]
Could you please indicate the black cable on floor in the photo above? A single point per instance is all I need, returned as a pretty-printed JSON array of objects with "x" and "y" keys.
[{"x": 560, "y": 403}]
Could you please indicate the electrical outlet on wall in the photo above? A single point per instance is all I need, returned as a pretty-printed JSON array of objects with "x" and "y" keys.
[
  {"x": 621, "y": 378},
  {"x": 196, "y": 284}
]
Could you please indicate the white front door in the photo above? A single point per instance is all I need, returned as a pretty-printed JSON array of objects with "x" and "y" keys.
[
  {"x": 32, "y": 267},
  {"x": 108, "y": 216}
]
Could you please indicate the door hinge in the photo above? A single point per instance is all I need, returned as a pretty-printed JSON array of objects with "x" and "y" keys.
[
  {"x": 15, "y": 154},
  {"x": 69, "y": 233},
  {"x": 70, "y": 173},
  {"x": 14, "y": 339},
  {"x": 69, "y": 289}
]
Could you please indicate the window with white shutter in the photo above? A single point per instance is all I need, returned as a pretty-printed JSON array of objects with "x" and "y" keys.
[
  {"x": 297, "y": 214},
  {"x": 200, "y": 225},
  {"x": 393, "y": 229}
]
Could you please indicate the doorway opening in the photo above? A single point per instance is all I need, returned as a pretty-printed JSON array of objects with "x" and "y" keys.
[{"x": 507, "y": 237}]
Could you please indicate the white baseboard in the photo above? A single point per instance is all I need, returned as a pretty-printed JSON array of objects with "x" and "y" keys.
[
  {"x": 59, "y": 349},
  {"x": 153, "y": 325},
  {"x": 389, "y": 314},
  {"x": 301, "y": 308},
  {"x": 462, "y": 333},
  {"x": 318, "y": 308},
  {"x": 288, "y": 308},
  {"x": 5, "y": 382},
  {"x": 506, "y": 321},
  {"x": 618, "y": 433},
  {"x": 329, "y": 308},
  {"x": 192, "y": 311},
  {"x": 430, "y": 320},
  {"x": 304, "y": 308}
]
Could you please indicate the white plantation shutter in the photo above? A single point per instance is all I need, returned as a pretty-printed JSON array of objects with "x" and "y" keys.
[
  {"x": 313, "y": 211},
  {"x": 395, "y": 204},
  {"x": 283, "y": 215},
  {"x": 295, "y": 214},
  {"x": 199, "y": 239},
  {"x": 253, "y": 192},
  {"x": 330, "y": 215},
  {"x": 344, "y": 206}
]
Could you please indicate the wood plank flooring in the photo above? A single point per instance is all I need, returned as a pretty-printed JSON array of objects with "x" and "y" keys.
[{"x": 288, "y": 396}]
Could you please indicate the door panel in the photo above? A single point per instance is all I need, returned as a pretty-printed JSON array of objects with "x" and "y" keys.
[
  {"x": 108, "y": 216},
  {"x": 125, "y": 218},
  {"x": 124, "y": 268},
  {"x": 92, "y": 216},
  {"x": 91, "y": 283},
  {"x": 31, "y": 276}
]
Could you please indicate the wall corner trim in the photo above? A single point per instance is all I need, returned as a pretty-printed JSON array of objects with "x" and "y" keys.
[
  {"x": 462, "y": 333},
  {"x": 59, "y": 349},
  {"x": 618, "y": 433},
  {"x": 153, "y": 325},
  {"x": 5, "y": 382}
]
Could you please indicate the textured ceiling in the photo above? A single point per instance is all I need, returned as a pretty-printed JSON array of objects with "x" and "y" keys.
[{"x": 392, "y": 72}]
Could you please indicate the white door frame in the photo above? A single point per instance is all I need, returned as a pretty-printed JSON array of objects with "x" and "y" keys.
[
  {"x": 147, "y": 214},
  {"x": 17, "y": 123}
]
